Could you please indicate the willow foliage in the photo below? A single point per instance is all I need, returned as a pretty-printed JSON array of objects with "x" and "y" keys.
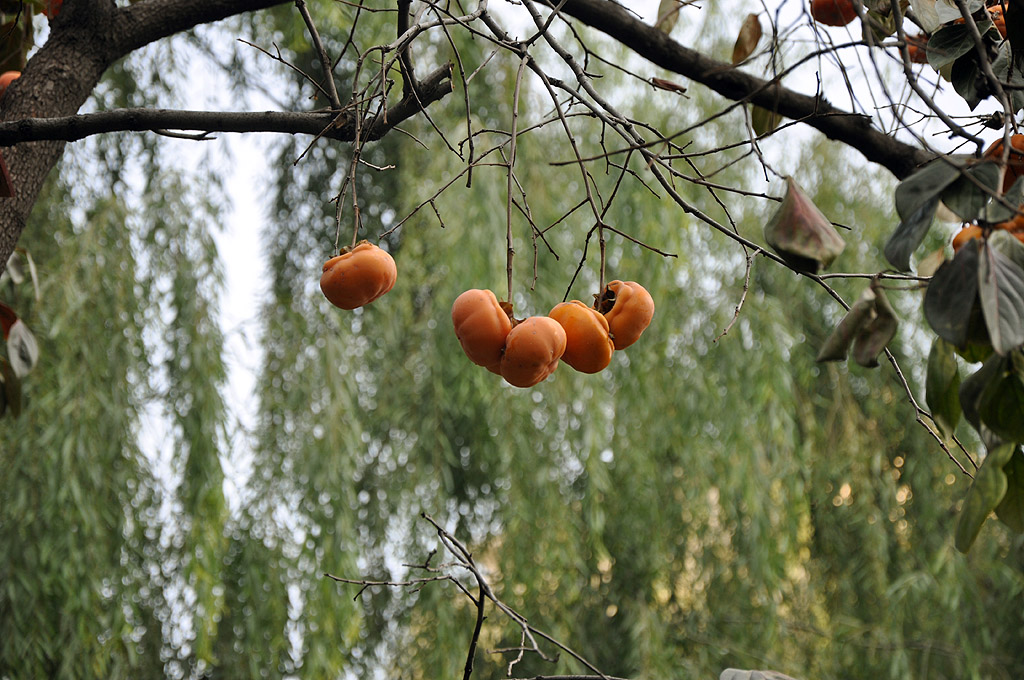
[{"x": 712, "y": 499}]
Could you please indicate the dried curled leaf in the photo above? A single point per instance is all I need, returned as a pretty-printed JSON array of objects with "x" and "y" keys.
[
  {"x": 749, "y": 35},
  {"x": 868, "y": 327},
  {"x": 801, "y": 234}
]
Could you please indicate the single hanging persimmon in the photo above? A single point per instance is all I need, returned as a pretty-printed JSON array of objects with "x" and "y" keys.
[
  {"x": 481, "y": 325},
  {"x": 358, "y": 276},
  {"x": 588, "y": 345},
  {"x": 833, "y": 12},
  {"x": 1015, "y": 164},
  {"x": 629, "y": 308},
  {"x": 532, "y": 351}
]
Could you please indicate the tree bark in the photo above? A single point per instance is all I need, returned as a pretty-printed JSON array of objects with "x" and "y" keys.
[
  {"x": 651, "y": 43},
  {"x": 86, "y": 38}
]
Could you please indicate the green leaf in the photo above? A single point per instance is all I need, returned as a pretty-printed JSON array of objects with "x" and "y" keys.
[
  {"x": 948, "y": 44},
  {"x": 952, "y": 294},
  {"x": 967, "y": 80},
  {"x": 927, "y": 184},
  {"x": 996, "y": 212},
  {"x": 986, "y": 492},
  {"x": 974, "y": 386},
  {"x": 1010, "y": 510},
  {"x": 968, "y": 196},
  {"x": 1006, "y": 243},
  {"x": 909, "y": 234},
  {"x": 942, "y": 387},
  {"x": 1001, "y": 289},
  {"x": 1001, "y": 403},
  {"x": 763, "y": 121}
]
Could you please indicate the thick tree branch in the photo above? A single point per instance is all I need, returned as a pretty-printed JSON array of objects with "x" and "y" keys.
[
  {"x": 657, "y": 47},
  {"x": 332, "y": 126}
]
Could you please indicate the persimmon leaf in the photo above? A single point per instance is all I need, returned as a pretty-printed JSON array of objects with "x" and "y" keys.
[
  {"x": 951, "y": 295},
  {"x": 1010, "y": 510},
  {"x": 1001, "y": 403},
  {"x": 942, "y": 387},
  {"x": 927, "y": 184},
  {"x": 909, "y": 234},
  {"x": 1001, "y": 289},
  {"x": 968, "y": 195},
  {"x": 948, "y": 44},
  {"x": 986, "y": 493}
]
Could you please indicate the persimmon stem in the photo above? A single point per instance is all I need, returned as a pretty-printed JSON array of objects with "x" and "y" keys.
[{"x": 510, "y": 252}]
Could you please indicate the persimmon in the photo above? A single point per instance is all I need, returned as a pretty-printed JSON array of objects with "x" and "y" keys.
[
  {"x": 998, "y": 20},
  {"x": 971, "y": 231},
  {"x": 532, "y": 351},
  {"x": 358, "y": 276},
  {"x": 1015, "y": 164},
  {"x": 6, "y": 78},
  {"x": 52, "y": 8},
  {"x": 629, "y": 308},
  {"x": 917, "y": 48},
  {"x": 1014, "y": 226},
  {"x": 588, "y": 345},
  {"x": 481, "y": 325},
  {"x": 833, "y": 12}
]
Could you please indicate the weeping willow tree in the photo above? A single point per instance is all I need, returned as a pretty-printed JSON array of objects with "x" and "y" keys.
[{"x": 713, "y": 499}]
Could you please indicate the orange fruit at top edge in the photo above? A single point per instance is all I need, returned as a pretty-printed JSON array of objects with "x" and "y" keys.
[
  {"x": 1014, "y": 226},
  {"x": 52, "y": 8},
  {"x": 833, "y": 12},
  {"x": 629, "y": 308},
  {"x": 6, "y": 78},
  {"x": 588, "y": 346},
  {"x": 971, "y": 231},
  {"x": 998, "y": 20},
  {"x": 481, "y": 325},
  {"x": 358, "y": 276},
  {"x": 1015, "y": 164},
  {"x": 532, "y": 351}
]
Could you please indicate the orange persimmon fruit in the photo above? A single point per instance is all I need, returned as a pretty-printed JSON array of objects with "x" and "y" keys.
[
  {"x": 833, "y": 12},
  {"x": 1015, "y": 164},
  {"x": 588, "y": 345},
  {"x": 971, "y": 231},
  {"x": 998, "y": 20},
  {"x": 1015, "y": 227},
  {"x": 358, "y": 276},
  {"x": 52, "y": 8},
  {"x": 532, "y": 351},
  {"x": 6, "y": 78},
  {"x": 917, "y": 48},
  {"x": 481, "y": 325},
  {"x": 629, "y": 308}
]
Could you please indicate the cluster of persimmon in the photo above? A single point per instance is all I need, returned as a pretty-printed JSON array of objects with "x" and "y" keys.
[
  {"x": 526, "y": 352},
  {"x": 1014, "y": 170},
  {"x": 358, "y": 275}
]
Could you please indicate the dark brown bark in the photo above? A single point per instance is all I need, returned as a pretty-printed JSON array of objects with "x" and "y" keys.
[
  {"x": 85, "y": 39},
  {"x": 732, "y": 83},
  {"x": 90, "y": 35}
]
